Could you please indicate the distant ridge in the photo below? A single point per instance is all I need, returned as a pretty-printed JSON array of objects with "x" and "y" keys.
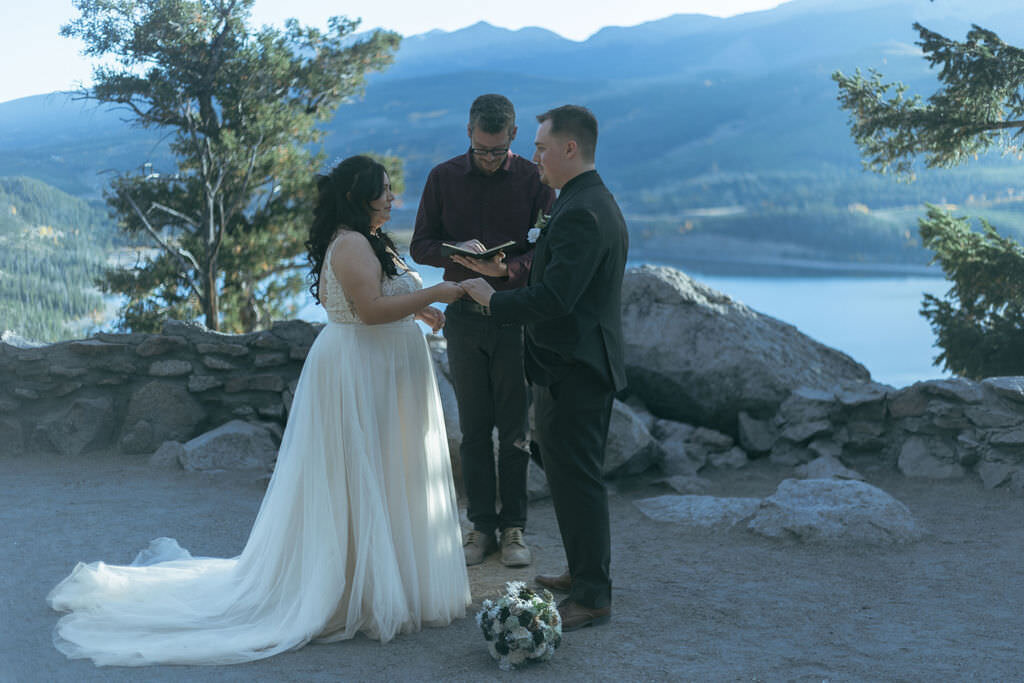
[{"x": 696, "y": 112}]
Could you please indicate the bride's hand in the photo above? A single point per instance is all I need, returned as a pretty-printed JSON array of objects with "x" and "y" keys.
[
  {"x": 433, "y": 317},
  {"x": 447, "y": 292}
]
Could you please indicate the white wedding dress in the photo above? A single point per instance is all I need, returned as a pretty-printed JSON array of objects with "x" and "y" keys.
[{"x": 358, "y": 531}]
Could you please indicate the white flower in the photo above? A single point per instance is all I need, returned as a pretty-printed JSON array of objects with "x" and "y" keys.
[{"x": 532, "y": 235}]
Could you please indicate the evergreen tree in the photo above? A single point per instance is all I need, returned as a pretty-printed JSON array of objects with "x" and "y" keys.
[
  {"x": 241, "y": 107},
  {"x": 979, "y": 107}
]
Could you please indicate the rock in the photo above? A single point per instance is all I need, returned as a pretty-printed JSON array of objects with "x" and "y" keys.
[
  {"x": 688, "y": 448},
  {"x": 755, "y": 436},
  {"x": 703, "y": 512},
  {"x": 255, "y": 383},
  {"x": 968, "y": 449},
  {"x": 215, "y": 363},
  {"x": 825, "y": 448},
  {"x": 827, "y": 467},
  {"x": 929, "y": 459},
  {"x": 710, "y": 440},
  {"x": 696, "y": 355},
  {"x": 789, "y": 454},
  {"x": 670, "y": 430},
  {"x": 865, "y": 435},
  {"x": 1007, "y": 387},
  {"x": 989, "y": 416},
  {"x": 640, "y": 410},
  {"x": 170, "y": 455},
  {"x": 680, "y": 460},
  {"x": 158, "y": 345},
  {"x": 995, "y": 474},
  {"x": 734, "y": 458},
  {"x": 267, "y": 360},
  {"x": 169, "y": 411},
  {"x": 834, "y": 510},
  {"x": 801, "y": 432},
  {"x": 908, "y": 402},
  {"x": 88, "y": 423},
  {"x": 222, "y": 349},
  {"x": 94, "y": 347},
  {"x": 957, "y": 389},
  {"x": 1007, "y": 437},
  {"x": 170, "y": 368},
  {"x": 536, "y": 483},
  {"x": 236, "y": 445},
  {"x": 297, "y": 333},
  {"x": 630, "y": 448},
  {"x": 138, "y": 438},
  {"x": 12, "y": 437},
  {"x": 686, "y": 484},
  {"x": 807, "y": 404},
  {"x": 862, "y": 395},
  {"x": 199, "y": 383},
  {"x": 947, "y": 416}
]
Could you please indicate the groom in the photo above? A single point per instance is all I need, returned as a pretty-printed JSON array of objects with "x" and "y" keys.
[{"x": 573, "y": 350}]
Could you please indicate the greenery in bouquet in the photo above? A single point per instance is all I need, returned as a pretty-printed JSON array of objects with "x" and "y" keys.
[{"x": 520, "y": 625}]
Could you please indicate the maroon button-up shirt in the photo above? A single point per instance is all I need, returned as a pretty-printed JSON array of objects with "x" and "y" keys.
[{"x": 460, "y": 203}]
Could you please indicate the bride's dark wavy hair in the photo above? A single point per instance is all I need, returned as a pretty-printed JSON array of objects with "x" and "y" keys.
[{"x": 343, "y": 201}]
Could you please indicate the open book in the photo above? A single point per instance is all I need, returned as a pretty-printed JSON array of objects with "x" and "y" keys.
[{"x": 447, "y": 249}]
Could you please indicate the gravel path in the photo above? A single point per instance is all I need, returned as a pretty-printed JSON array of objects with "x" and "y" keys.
[{"x": 689, "y": 605}]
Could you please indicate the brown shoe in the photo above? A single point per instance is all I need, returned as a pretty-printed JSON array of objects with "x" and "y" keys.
[
  {"x": 561, "y": 583},
  {"x": 575, "y": 615}
]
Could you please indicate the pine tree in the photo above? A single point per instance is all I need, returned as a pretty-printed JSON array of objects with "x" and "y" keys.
[
  {"x": 979, "y": 107},
  {"x": 241, "y": 107}
]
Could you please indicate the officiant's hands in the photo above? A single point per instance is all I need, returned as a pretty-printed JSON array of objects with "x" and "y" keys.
[
  {"x": 432, "y": 317},
  {"x": 479, "y": 289}
]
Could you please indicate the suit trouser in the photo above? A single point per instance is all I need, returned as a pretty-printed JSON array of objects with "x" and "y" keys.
[
  {"x": 571, "y": 420},
  {"x": 486, "y": 363}
]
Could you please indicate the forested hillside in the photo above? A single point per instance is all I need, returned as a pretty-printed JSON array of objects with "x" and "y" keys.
[{"x": 52, "y": 247}]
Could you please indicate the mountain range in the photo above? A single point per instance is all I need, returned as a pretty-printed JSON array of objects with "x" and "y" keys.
[{"x": 721, "y": 138}]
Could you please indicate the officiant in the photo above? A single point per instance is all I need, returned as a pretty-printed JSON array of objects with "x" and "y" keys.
[{"x": 485, "y": 197}]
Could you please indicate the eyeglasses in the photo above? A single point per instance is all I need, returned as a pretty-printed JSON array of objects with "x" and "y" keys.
[{"x": 496, "y": 153}]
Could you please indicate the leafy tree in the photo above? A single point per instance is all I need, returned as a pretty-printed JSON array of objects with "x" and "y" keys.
[
  {"x": 241, "y": 107},
  {"x": 979, "y": 107}
]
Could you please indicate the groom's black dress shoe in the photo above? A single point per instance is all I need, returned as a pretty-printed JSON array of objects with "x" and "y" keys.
[
  {"x": 561, "y": 583},
  {"x": 575, "y": 615}
]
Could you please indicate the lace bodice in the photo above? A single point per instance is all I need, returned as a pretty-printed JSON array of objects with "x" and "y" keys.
[{"x": 339, "y": 308}]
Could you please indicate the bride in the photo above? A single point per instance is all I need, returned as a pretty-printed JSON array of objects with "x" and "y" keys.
[{"x": 358, "y": 531}]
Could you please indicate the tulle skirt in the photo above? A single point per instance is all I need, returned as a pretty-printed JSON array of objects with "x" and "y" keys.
[{"x": 358, "y": 531}]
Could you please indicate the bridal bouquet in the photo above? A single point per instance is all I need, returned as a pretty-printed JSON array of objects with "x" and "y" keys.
[{"x": 520, "y": 625}]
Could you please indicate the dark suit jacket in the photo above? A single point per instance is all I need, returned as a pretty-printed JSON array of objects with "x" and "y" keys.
[{"x": 571, "y": 306}]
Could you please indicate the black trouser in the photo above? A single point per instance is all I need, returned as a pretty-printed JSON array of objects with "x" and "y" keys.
[
  {"x": 486, "y": 363},
  {"x": 571, "y": 428}
]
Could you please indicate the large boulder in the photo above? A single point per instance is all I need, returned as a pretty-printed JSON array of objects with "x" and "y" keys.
[
  {"x": 86, "y": 424},
  {"x": 695, "y": 355},
  {"x": 157, "y": 412},
  {"x": 834, "y": 510}
]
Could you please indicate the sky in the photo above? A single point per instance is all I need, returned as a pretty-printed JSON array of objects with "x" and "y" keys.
[{"x": 37, "y": 60}]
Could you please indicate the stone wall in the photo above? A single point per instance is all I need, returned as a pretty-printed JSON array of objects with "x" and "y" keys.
[
  {"x": 938, "y": 429},
  {"x": 754, "y": 387},
  {"x": 135, "y": 391}
]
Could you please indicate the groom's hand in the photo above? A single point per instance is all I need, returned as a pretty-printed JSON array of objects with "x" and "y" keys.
[
  {"x": 479, "y": 289},
  {"x": 492, "y": 267}
]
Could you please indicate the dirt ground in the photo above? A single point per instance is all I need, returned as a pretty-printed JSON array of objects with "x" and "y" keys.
[{"x": 688, "y": 605}]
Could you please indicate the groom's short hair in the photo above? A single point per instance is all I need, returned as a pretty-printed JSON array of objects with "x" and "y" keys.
[
  {"x": 492, "y": 113},
  {"x": 576, "y": 123}
]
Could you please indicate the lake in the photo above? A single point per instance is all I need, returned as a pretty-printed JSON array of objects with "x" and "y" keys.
[{"x": 874, "y": 320}]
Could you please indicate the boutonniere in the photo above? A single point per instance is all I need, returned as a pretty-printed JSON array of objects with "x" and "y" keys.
[{"x": 538, "y": 226}]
